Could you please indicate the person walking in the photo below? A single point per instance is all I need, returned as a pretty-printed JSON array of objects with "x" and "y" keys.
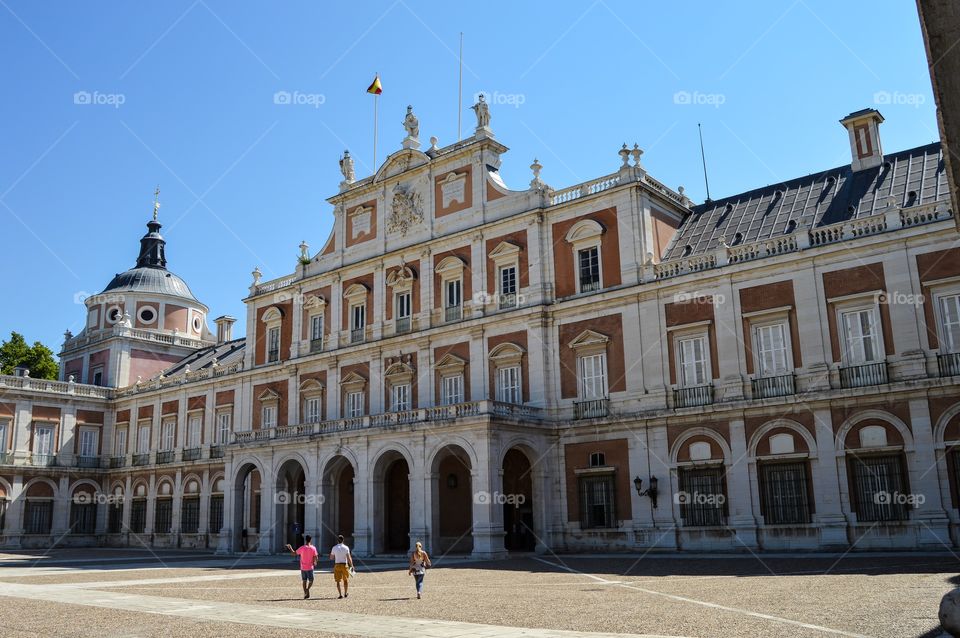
[
  {"x": 419, "y": 562},
  {"x": 342, "y": 566},
  {"x": 308, "y": 561}
]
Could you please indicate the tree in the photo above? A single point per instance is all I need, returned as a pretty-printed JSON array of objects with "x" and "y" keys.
[{"x": 37, "y": 358}]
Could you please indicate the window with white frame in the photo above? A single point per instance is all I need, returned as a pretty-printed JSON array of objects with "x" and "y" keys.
[
  {"x": 507, "y": 280},
  {"x": 693, "y": 361},
  {"x": 592, "y": 372},
  {"x": 316, "y": 332},
  {"x": 451, "y": 389},
  {"x": 273, "y": 344},
  {"x": 506, "y": 265},
  {"x": 311, "y": 396},
  {"x": 120, "y": 442},
  {"x": 194, "y": 431},
  {"x": 400, "y": 397},
  {"x": 354, "y": 404},
  {"x": 450, "y": 271},
  {"x": 97, "y": 376},
  {"x": 168, "y": 433},
  {"x": 88, "y": 442},
  {"x": 311, "y": 410},
  {"x": 358, "y": 321},
  {"x": 771, "y": 347},
  {"x": 268, "y": 416},
  {"x": 224, "y": 424},
  {"x": 949, "y": 323},
  {"x": 4, "y": 433},
  {"x": 585, "y": 237},
  {"x": 588, "y": 268},
  {"x": 143, "y": 439},
  {"x": 508, "y": 384},
  {"x": 453, "y": 293},
  {"x": 404, "y": 310},
  {"x": 861, "y": 336},
  {"x": 43, "y": 440}
]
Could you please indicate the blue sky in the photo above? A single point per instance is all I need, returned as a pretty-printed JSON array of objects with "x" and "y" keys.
[{"x": 181, "y": 94}]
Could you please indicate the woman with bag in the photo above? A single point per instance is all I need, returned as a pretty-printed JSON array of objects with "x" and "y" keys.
[{"x": 419, "y": 562}]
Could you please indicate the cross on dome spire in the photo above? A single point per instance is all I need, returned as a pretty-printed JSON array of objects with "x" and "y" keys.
[{"x": 156, "y": 202}]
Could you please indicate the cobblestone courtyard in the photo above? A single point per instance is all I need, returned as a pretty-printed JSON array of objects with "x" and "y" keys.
[{"x": 139, "y": 594}]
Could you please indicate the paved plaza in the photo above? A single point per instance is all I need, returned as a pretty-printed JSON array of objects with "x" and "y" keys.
[{"x": 130, "y": 594}]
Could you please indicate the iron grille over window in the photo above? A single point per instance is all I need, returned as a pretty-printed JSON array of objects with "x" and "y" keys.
[
  {"x": 597, "y": 501},
  {"x": 879, "y": 488},
  {"x": 163, "y": 516},
  {"x": 39, "y": 517},
  {"x": 216, "y": 513},
  {"x": 138, "y": 516},
  {"x": 190, "y": 515},
  {"x": 783, "y": 491},
  {"x": 703, "y": 496},
  {"x": 83, "y": 518},
  {"x": 115, "y": 519}
]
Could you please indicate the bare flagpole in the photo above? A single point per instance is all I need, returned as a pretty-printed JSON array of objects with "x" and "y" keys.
[
  {"x": 460, "y": 92},
  {"x": 703, "y": 158},
  {"x": 376, "y": 103}
]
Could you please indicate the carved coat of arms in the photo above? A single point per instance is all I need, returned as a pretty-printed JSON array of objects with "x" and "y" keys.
[{"x": 406, "y": 211}]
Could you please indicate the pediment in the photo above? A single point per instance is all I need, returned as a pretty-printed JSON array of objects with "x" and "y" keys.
[
  {"x": 311, "y": 386},
  {"x": 504, "y": 249},
  {"x": 315, "y": 301},
  {"x": 402, "y": 276},
  {"x": 398, "y": 369},
  {"x": 451, "y": 264},
  {"x": 272, "y": 314},
  {"x": 450, "y": 361},
  {"x": 356, "y": 290},
  {"x": 268, "y": 395},
  {"x": 354, "y": 378},
  {"x": 400, "y": 162},
  {"x": 507, "y": 351},
  {"x": 584, "y": 229},
  {"x": 589, "y": 338}
]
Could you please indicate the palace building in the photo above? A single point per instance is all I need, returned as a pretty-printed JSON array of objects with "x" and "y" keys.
[{"x": 606, "y": 366}]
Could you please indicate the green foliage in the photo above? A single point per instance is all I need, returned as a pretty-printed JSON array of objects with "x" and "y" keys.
[{"x": 38, "y": 358}]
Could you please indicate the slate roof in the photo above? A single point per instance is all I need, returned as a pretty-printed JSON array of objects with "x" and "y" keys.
[
  {"x": 225, "y": 354},
  {"x": 150, "y": 280},
  {"x": 913, "y": 177}
]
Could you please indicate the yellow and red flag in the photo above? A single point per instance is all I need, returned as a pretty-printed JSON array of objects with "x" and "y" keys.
[{"x": 375, "y": 86}]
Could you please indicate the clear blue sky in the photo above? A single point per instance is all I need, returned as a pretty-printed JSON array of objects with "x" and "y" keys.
[{"x": 244, "y": 180}]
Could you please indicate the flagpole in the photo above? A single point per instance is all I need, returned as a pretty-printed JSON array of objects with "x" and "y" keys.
[
  {"x": 376, "y": 102},
  {"x": 460, "y": 92}
]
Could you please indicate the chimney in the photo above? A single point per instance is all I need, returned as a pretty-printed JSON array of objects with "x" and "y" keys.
[
  {"x": 864, "y": 129},
  {"x": 224, "y": 328}
]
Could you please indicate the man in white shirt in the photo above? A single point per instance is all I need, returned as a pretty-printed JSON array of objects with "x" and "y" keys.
[{"x": 342, "y": 564}]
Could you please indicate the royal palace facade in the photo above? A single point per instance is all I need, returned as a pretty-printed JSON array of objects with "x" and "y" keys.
[{"x": 601, "y": 367}]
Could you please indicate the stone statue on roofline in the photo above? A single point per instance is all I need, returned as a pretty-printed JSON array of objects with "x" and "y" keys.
[
  {"x": 483, "y": 113},
  {"x": 346, "y": 168},
  {"x": 411, "y": 124}
]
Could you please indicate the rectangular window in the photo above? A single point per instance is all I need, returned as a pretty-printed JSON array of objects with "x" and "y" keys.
[
  {"x": 194, "y": 432},
  {"x": 354, "y": 404},
  {"x": 358, "y": 323},
  {"x": 783, "y": 493},
  {"x": 588, "y": 264},
  {"x": 879, "y": 488},
  {"x": 508, "y": 385},
  {"x": 311, "y": 410},
  {"x": 860, "y": 334},
  {"x": 43, "y": 441},
  {"x": 950, "y": 323},
  {"x": 452, "y": 300},
  {"x": 273, "y": 345},
  {"x": 703, "y": 496},
  {"x": 404, "y": 310},
  {"x": 39, "y": 517},
  {"x": 143, "y": 439},
  {"x": 120, "y": 443},
  {"x": 400, "y": 397},
  {"x": 508, "y": 287},
  {"x": 216, "y": 514},
  {"x": 593, "y": 376},
  {"x": 138, "y": 515},
  {"x": 168, "y": 434},
  {"x": 316, "y": 332},
  {"x": 3, "y": 435},
  {"x": 772, "y": 350},
  {"x": 190, "y": 515},
  {"x": 692, "y": 354},
  {"x": 223, "y": 428},
  {"x": 597, "y": 501},
  {"x": 451, "y": 389},
  {"x": 268, "y": 415},
  {"x": 98, "y": 376},
  {"x": 83, "y": 518},
  {"x": 88, "y": 442},
  {"x": 115, "y": 519},
  {"x": 163, "y": 516}
]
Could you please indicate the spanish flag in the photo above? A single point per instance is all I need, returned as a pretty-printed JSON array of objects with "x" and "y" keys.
[{"x": 375, "y": 86}]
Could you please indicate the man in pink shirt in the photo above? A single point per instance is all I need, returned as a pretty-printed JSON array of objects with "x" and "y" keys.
[{"x": 308, "y": 560}]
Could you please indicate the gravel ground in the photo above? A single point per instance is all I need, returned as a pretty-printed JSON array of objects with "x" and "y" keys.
[{"x": 891, "y": 595}]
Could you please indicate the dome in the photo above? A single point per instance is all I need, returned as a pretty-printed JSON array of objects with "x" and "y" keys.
[{"x": 152, "y": 281}]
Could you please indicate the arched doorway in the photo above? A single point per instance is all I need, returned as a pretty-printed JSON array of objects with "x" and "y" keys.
[
  {"x": 246, "y": 509},
  {"x": 452, "y": 494},
  {"x": 517, "y": 500},
  {"x": 392, "y": 511},
  {"x": 291, "y": 504},
  {"x": 338, "y": 500}
]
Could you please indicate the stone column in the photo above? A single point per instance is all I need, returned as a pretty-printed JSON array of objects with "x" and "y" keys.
[
  {"x": 478, "y": 366},
  {"x": 13, "y": 527},
  {"x": 740, "y": 505},
  {"x": 379, "y": 310},
  {"x": 538, "y": 357},
  {"x": 61, "y": 508},
  {"x": 829, "y": 516},
  {"x": 478, "y": 277},
  {"x": 422, "y": 513},
  {"x": 127, "y": 507},
  {"x": 333, "y": 390},
  {"x": 934, "y": 526},
  {"x": 729, "y": 336},
  {"x": 226, "y": 540},
  {"x": 363, "y": 511},
  {"x": 813, "y": 328},
  {"x": 68, "y": 435},
  {"x": 487, "y": 516},
  {"x": 177, "y": 504},
  {"x": 151, "y": 505},
  {"x": 375, "y": 383},
  {"x": 904, "y": 299},
  {"x": 293, "y": 399},
  {"x": 653, "y": 360},
  {"x": 268, "y": 509},
  {"x": 22, "y": 424},
  {"x": 204, "y": 518},
  {"x": 535, "y": 292}
]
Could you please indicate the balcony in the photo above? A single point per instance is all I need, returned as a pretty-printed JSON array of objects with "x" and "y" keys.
[
  {"x": 6, "y": 458},
  {"x": 591, "y": 408},
  {"x": 403, "y": 325},
  {"x": 88, "y": 461},
  {"x": 507, "y": 301},
  {"x": 864, "y": 375},
  {"x": 118, "y": 462},
  {"x": 949, "y": 364},
  {"x": 452, "y": 313},
  {"x": 589, "y": 286},
  {"x": 216, "y": 451},
  {"x": 43, "y": 460},
  {"x": 358, "y": 335},
  {"x": 767, "y": 387},
  {"x": 316, "y": 345},
  {"x": 165, "y": 456},
  {"x": 693, "y": 396},
  {"x": 273, "y": 356},
  {"x": 141, "y": 459},
  {"x": 192, "y": 454}
]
